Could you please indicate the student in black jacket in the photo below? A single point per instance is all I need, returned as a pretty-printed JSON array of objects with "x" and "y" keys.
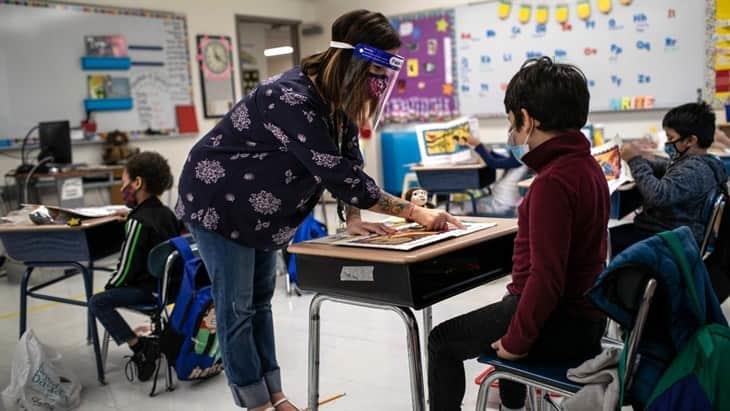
[{"x": 146, "y": 176}]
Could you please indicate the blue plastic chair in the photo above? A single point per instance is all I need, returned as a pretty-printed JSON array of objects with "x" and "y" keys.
[
  {"x": 161, "y": 264},
  {"x": 551, "y": 376}
]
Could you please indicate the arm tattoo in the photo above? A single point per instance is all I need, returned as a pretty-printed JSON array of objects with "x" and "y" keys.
[
  {"x": 391, "y": 205},
  {"x": 352, "y": 211}
]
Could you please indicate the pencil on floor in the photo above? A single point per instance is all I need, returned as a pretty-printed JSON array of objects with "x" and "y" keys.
[{"x": 329, "y": 400}]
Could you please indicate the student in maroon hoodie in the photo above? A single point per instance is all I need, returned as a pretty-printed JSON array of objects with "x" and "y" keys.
[{"x": 559, "y": 250}]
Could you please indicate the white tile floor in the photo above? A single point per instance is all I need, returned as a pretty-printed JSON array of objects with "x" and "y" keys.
[{"x": 363, "y": 353}]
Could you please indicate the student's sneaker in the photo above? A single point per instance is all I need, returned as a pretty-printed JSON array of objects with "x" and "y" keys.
[{"x": 144, "y": 360}]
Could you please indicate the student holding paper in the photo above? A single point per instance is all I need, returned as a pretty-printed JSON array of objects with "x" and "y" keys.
[
  {"x": 674, "y": 191},
  {"x": 559, "y": 250}
]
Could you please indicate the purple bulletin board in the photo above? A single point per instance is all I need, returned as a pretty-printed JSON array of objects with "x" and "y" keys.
[{"x": 426, "y": 88}]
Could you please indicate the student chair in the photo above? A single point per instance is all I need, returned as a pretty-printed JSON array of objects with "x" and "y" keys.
[
  {"x": 712, "y": 230},
  {"x": 550, "y": 377},
  {"x": 164, "y": 264}
]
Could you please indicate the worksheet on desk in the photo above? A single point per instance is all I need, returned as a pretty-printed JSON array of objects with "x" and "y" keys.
[
  {"x": 408, "y": 237},
  {"x": 91, "y": 212}
]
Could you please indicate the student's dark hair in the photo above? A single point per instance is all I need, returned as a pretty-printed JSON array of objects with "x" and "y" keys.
[
  {"x": 342, "y": 88},
  {"x": 555, "y": 94},
  {"x": 153, "y": 169},
  {"x": 692, "y": 119}
]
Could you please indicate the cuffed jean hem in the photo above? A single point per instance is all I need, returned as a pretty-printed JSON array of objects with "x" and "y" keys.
[
  {"x": 251, "y": 396},
  {"x": 273, "y": 381}
]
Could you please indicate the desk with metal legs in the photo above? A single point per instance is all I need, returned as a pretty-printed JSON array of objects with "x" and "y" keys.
[
  {"x": 400, "y": 282},
  {"x": 72, "y": 249}
]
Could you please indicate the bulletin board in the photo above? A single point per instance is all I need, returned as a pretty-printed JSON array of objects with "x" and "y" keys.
[
  {"x": 636, "y": 54},
  {"x": 426, "y": 86},
  {"x": 41, "y": 75},
  {"x": 721, "y": 61}
]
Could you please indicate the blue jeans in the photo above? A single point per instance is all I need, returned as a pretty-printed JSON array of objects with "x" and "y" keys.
[
  {"x": 104, "y": 307},
  {"x": 243, "y": 283}
]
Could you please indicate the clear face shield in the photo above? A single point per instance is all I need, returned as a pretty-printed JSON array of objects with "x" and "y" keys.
[{"x": 383, "y": 69}]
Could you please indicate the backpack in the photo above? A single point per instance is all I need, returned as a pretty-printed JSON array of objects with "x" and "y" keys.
[
  {"x": 189, "y": 340},
  {"x": 695, "y": 378},
  {"x": 309, "y": 229},
  {"x": 671, "y": 322}
]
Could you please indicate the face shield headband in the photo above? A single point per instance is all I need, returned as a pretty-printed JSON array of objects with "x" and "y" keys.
[{"x": 381, "y": 80}]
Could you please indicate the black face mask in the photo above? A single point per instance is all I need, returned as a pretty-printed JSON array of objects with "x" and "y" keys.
[{"x": 672, "y": 150}]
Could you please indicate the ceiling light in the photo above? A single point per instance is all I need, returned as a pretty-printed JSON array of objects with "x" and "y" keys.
[{"x": 278, "y": 51}]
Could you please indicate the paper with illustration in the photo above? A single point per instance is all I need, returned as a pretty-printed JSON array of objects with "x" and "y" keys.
[
  {"x": 408, "y": 237},
  {"x": 445, "y": 143},
  {"x": 608, "y": 157}
]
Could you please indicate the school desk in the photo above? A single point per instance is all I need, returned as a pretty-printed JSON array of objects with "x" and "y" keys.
[
  {"x": 72, "y": 249},
  {"x": 401, "y": 282}
]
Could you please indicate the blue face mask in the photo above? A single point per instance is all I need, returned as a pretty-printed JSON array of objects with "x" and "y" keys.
[
  {"x": 517, "y": 150},
  {"x": 671, "y": 150}
]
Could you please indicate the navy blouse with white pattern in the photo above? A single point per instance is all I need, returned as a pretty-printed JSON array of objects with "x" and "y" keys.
[{"x": 261, "y": 170}]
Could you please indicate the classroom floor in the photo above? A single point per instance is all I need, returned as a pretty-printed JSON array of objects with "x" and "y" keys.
[{"x": 363, "y": 353}]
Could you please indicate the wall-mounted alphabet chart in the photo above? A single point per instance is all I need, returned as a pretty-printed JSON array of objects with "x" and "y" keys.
[{"x": 636, "y": 54}]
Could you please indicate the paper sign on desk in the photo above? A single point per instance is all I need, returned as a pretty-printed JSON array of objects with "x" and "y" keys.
[{"x": 72, "y": 189}]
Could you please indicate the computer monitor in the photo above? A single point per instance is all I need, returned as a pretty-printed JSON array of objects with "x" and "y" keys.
[{"x": 55, "y": 141}]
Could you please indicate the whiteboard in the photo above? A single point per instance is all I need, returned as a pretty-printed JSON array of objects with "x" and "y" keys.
[
  {"x": 611, "y": 49},
  {"x": 40, "y": 66}
]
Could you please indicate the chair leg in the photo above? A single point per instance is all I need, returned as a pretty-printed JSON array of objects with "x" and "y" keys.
[
  {"x": 483, "y": 396},
  {"x": 549, "y": 404},
  {"x": 169, "y": 376},
  {"x": 105, "y": 348},
  {"x": 24, "y": 300},
  {"x": 89, "y": 288},
  {"x": 532, "y": 401}
]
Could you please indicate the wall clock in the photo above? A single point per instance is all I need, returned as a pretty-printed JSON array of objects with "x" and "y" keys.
[{"x": 215, "y": 62}]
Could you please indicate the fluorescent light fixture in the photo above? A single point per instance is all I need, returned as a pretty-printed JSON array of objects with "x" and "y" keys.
[{"x": 278, "y": 51}]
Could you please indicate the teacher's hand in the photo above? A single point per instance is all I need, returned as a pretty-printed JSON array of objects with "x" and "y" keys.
[
  {"x": 434, "y": 220},
  {"x": 358, "y": 227}
]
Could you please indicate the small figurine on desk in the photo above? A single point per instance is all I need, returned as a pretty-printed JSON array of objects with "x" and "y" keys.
[
  {"x": 116, "y": 148},
  {"x": 419, "y": 197}
]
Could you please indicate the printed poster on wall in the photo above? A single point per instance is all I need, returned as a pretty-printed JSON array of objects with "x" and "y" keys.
[{"x": 425, "y": 88}]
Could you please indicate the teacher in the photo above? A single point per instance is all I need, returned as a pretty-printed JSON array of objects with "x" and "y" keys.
[{"x": 250, "y": 181}]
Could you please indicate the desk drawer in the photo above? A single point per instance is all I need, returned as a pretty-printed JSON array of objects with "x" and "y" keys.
[
  {"x": 455, "y": 180},
  {"x": 68, "y": 245},
  {"x": 446, "y": 276},
  {"x": 379, "y": 282},
  {"x": 50, "y": 246},
  {"x": 415, "y": 285}
]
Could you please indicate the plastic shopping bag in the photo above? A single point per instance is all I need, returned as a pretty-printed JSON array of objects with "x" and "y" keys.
[{"x": 38, "y": 379}]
